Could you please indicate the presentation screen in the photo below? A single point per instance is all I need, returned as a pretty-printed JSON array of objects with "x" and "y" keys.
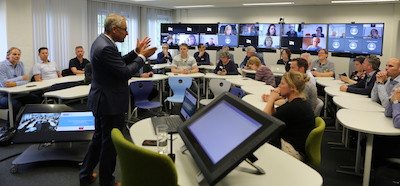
[
  {"x": 248, "y": 35},
  {"x": 176, "y": 34},
  {"x": 269, "y": 36},
  {"x": 314, "y": 37},
  {"x": 356, "y": 38},
  {"x": 292, "y": 36},
  {"x": 209, "y": 35},
  {"x": 228, "y": 35}
]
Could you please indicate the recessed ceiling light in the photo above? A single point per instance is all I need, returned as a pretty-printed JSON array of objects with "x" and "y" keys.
[
  {"x": 195, "y": 6},
  {"x": 364, "y": 1},
  {"x": 270, "y": 4},
  {"x": 142, "y": 0}
]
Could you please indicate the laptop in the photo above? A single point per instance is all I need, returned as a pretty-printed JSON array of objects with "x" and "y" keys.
[{"x": 173, "y": 121}]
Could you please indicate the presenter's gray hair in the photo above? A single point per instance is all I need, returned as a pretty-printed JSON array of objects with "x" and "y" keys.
[
  {"x": 250, "y": 49},
  {"x": 113, "y": 19}
]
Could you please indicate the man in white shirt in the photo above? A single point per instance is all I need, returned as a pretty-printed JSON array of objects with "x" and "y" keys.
[
  {"x": 45, "y": 69},
  {"x": 183, "y": 63},
  {"x": 382, "y": 91}
]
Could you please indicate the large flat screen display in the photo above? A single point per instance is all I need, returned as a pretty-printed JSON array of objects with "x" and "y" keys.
[
  {"x": 228, "y": 35},
  {"x": 356, "y": 38},
  {"x": 292, "y": 36},
  {"x": 314, "y": 37},
  {"x": 248, "y": 35},
  {"x": 269, "y": 36},
  {"x": 223, "y": 134}
]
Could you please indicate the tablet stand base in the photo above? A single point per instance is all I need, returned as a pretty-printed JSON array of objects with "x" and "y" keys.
[{"x": 66, "y": 151}]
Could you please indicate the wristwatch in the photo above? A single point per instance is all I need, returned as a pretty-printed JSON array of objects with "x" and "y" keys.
[
  {"x": 380, "y": 82},
  {"x": 395, "y": 101}
]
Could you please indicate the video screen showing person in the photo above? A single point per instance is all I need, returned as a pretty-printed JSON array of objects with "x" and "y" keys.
[
  {"x": 314, "y": 37},
  {"x": 292, "y": 30},
  {"x": 228, "y": 35},
  {"x": 168, "y": 39},
  {"x": 356, "y": 38},
  {"x": 189, "y": 39},
  {"x": 269, "y": 36},
  {"x": 209, "y": 40},
  {"x": 249, "y": 29}
]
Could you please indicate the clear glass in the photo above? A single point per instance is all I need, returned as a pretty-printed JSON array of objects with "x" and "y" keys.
[{"x": 162, "y": 137}]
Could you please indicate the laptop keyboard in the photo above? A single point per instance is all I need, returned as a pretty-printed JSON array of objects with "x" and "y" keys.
[{"x": 173, "y": 123}]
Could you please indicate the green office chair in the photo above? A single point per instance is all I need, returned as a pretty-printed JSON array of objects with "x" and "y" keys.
[
  {"x": 313, "y": 144},
  {"x": 140, "y": 166}
]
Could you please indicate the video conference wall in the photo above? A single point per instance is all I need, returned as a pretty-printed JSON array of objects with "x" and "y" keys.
[{"x": 340, "y": 38}]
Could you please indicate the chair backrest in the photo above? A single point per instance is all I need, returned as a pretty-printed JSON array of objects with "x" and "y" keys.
[
  {"x": 141, "y": 90},
  {"x": 140, "y": 166},
  {"x": 318, "y": 108},
  {"x": 67, "y": 72},
  {"x": 313, "y": 144},
  {"x": 179, "y": 84},
  {"x": 219, "y": 86},
  {"x": 237, "y": 92}
]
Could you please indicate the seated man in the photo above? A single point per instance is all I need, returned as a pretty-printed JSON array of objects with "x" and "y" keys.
[
  {"x": 382, "y": 91},
  {"x": 164, "y": 56},
  {"x": 364, "y": 86},
  {"x": 250, "y": 52},
  {"x": 45, "y": 69},
  {"x": 202, "y": 57},
  {"x": 183, "y": 63},
  {"x": 306, "y": 56},
  {"x": 12, "y": 73},
  {"x": 77, "y": 65},
  {"x": 322, "y": 67}
]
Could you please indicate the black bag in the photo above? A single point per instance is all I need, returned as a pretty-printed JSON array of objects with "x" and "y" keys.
[{"x": 6, "y": 136}]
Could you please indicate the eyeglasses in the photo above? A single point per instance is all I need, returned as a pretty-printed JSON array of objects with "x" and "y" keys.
[{"x": 124, "y": 29}]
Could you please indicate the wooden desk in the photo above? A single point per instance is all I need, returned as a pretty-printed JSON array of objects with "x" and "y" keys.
[
  {"x": 281, "y": 169},
  {"x": 369, "y": 123}
]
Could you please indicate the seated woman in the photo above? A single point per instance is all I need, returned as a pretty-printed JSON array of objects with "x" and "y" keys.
[
  {"x": 296, "y": 113},
  {"x": 285, "y": 59},
  {"x": 226, "y": 66},
  {"x": 357, "y": 74},
  {"x": 263, "y": 73}
]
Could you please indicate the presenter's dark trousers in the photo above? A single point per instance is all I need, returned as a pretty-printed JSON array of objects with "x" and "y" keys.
[{"x": 101, "y": 149}]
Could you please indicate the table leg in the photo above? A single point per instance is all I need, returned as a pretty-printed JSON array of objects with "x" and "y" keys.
[
  {"x": 206, "y": 82},
  {"x": 161, "y": 89},
  {"x": 358, "y": 155},
  {"x": 10, "y": 111},
  {"x": 368, "y": 159},
  {"x": 326, "y": 104}
]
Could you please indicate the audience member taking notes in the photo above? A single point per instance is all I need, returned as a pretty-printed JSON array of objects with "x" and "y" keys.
[
  {"x": 382, "y": 91},
  {"x": 364, "y": 86},
  {"x": 12, "y": 73},
  {"x": 224, "y": 48},
  {"x": 45, "y": 69},
  {"x": 77, "y": 64},
  {"x": 225, "y": 66},
  {"x": 322, "y": 67}
]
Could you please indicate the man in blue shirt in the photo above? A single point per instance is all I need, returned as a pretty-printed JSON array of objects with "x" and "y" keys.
[{"x": 12, "y": 73}]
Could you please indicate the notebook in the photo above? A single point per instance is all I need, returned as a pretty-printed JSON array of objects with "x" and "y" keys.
[{"x": 173, "y": 121}]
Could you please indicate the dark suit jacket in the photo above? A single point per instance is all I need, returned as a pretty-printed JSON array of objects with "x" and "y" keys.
[
  {"x": 110, "y": 74},
  {"x": 362, "y": 87}
]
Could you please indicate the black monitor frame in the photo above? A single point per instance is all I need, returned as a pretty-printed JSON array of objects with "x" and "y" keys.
[{"x": 270, "y": 126}]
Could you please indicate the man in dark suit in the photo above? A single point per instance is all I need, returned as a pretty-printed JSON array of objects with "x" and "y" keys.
[{"x": 108, "y": 97}]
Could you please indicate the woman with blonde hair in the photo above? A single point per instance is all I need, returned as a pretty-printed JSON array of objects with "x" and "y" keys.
[
  {"x": 296, "y": 113},
  {"x": 263, "y": 73}
]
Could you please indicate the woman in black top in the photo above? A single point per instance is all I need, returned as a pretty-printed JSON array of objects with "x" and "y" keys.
[
  {"x": 358, "y": 73},
  {"x": 285, "y": 59},
  {"x": 296, "y": 112}
]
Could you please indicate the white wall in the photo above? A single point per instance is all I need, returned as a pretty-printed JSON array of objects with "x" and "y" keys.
[
  {"x": 3, "y": 30},
  {"x": 19, "y": 30},
  {"x": 386, "y": 13}
]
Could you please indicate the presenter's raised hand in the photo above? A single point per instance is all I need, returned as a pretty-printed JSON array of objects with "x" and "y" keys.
[
  {"x": 147, "y": 52},
  {"x": 142, "y": 45}
]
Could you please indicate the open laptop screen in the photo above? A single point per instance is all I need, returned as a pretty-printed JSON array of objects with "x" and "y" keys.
[
  {"x": 189, "y": 104},
  {"x": 223, "y": 134}
]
